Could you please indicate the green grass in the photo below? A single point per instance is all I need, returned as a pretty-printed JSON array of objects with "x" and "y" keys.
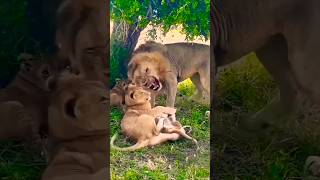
[
  {"x": 243, "y": 89},
  {"x": 171, "y": 160},
  {"x": 20, "y": 162}
]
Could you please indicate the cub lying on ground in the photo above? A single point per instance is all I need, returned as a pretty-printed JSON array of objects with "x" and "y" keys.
[
  {"x": 78, "y": 130},
  {"x": 139, "y": 121}
]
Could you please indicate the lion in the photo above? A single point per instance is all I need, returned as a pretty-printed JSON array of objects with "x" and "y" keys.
[
  {"x": 81, "y": 25},
  {"x": 139, "y": 121},
  {"x": 313, "y": 165},
  {"x": 24, "y": 101},
  {"x": 169, "y": 64},
  {"x": 117, "y": 94},
  {"x": 78, "y": 129}
]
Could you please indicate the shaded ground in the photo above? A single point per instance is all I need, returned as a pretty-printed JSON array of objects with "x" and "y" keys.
[
  {"x": 172, "y": 160},
  {"x": 278, "y": 154}
]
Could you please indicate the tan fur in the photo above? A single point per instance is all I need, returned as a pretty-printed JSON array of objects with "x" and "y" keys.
[
  {"x": 24, "y": 101},
  {"x": 94, "y": 65},
  {"x": 77, "y": 130},
  {"x": 173, "y": 63},
  {"x": 81, "y": 25},
  {"x": 139, "y": 123},
  {"x": 171, "y": 125},
  {"x": 117, "y": 94}
]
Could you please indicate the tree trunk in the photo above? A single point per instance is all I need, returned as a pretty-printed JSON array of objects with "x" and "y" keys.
[{"x": 126, "y": 36}]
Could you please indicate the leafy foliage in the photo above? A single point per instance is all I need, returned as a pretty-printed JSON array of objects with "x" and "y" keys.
[
  {"x": 13, "y": 32},
  {"x": 192, "y": 15},
  {"x": 118, "y": 53}
]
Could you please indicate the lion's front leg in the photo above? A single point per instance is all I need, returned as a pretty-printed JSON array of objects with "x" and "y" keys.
[
  {"x": 171, "y": 85},
  {"x": 275, "y": 59},
  {"x": 313, "y": 165}
]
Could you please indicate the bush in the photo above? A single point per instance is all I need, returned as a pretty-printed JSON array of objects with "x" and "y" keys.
[
  {"x": 117, "y": 56},
  {"x": 13, "y": 37}
]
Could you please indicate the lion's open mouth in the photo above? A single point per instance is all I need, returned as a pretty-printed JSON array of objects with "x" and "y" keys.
[{"x": 153, "y": 83}]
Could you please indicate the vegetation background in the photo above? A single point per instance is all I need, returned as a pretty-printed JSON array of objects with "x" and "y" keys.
[
  {"x": 242, "y": 88},
  {"x": 17, "y": 161},
  {"x": 165, "y": 22}
]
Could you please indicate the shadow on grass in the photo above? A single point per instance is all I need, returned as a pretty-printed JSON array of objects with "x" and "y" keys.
[{"x": 243, "y": 89}]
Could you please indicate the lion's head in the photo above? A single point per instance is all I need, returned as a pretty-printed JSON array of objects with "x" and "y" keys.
[
  {"x": 150, "y": 66},
  {"x": 78, "y": 108},
  {"x": 36, "y": 70},
  {"x": 136, "y": 95}
]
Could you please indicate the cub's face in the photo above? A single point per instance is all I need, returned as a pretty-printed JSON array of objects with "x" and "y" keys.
[
  {"x": 136, "y": 95},
  {"x": 78, "y": 108},
  {"x": 36, "y": 71}
]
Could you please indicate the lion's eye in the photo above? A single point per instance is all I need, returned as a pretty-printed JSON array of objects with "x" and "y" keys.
[
  {"x": 45, "y": 73},
  {"x": 147, "y": 70},
  {"x": 104, "y": 100},
  {"x": 131, "y": 95}
]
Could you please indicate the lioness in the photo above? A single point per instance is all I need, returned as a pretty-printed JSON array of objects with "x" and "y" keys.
[
  {"x": 138, "y": 126},
  {"x": 78, "y": 133},
  {"x": 24, "y": 101},
  {"x": 172, "y": 63},
  {"x": 139, "y": 122}
]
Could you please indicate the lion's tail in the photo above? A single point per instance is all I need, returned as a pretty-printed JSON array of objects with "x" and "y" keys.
[{"x": 138, "y": 145}]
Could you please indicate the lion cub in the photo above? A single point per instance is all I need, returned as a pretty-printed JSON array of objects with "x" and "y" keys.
[
  {"x": 24, "y": 101},
  {"x": 78, "y": 115},
  {"x": 117, "y": 94}
]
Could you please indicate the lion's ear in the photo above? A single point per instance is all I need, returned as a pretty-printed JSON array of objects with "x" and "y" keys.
[
  {"x": 25, "y": 57},
  {"x": 132, "y": 95},
  {"x": 70, "y": 108},
  {"x": 131, "y": 68},
  {"x": 74, "y": 108},
  {"x": 26, "y": 62}
]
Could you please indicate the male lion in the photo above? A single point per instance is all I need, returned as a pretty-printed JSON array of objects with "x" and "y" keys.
[
  {"x": 81, "y": 25},
  {"x": 169, "y": 64},
  {"x": 78, "y": 130}
]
